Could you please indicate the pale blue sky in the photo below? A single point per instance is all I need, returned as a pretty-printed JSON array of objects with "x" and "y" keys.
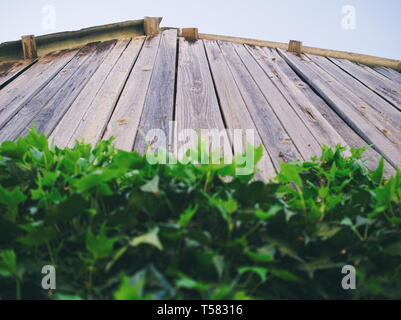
[{"x": 315, "y": 22}]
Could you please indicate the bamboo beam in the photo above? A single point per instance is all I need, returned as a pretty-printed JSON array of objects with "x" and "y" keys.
[
  {"x": 29, "y": 47},
  {"x": 355, "y": 57}
]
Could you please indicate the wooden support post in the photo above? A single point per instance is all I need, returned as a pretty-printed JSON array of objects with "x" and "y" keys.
[
  {"x": 151, "y": 26},
  {"x": 190, "y": 33},
  {"x": 295, "y": 47},
  {"x": 29, "y": 47}
]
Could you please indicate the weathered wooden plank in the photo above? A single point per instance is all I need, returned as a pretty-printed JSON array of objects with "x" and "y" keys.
[
  {"x": 375, "y": 109},
  {"x": 14, "y": 96},
  {"x": 75, "y": 114},
  {"x": 389, "y": 90},
  {"x": 45, "y": 109},
  {"x": 234, "y": 108},
  {"x": 371, "y": 157},
  {"x": 391, "y": 74},
  {"x": 92, "y": 125},
  {"x": 29, "y": 47},
  {"x": 197, "y": 106},
  {"x": 300, "y": 134},
  {"x": 125, "y": 119},
  {"x": 274, "y": 66},
  {"x": 159, "y": 104},
  {"x": 277, "y": 142},
  {"x": 337, "y": 97},
  {"x": 8, "y": 72}
]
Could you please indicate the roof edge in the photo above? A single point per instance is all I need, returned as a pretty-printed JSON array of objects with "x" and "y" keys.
[
  {"x": 355, "y": 57},
  {"x": 12, "y": 50}
]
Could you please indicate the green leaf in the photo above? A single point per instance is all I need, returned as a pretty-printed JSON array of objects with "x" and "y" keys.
[
  {"x": 152, "y": 186},
  {"x": 261, "y": 272},
  {"x": 188, "y": 283},
  {"x": 99, "y": 245},
  {"x": 285, "y": 275},
  {"x": 11, "y": 200},
  {"x": 151, "y": 238},
  {"x": 8, "y": 263},
  {"x": 187, "y": 215},
  {"x": 290, "y": 173}
]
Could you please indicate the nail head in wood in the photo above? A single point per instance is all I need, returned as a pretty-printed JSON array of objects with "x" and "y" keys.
[
  {"x": 151, "y": 26},
  {"x": 190, "y": 33},
  {"x": 295, "y": 46},
  {"x": 29, "y": 47}
]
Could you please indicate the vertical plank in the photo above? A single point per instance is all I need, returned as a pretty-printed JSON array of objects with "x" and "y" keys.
[
  {"x": 233, "y": 106},
  {"x": 197, "y": 106},
  {"x": 389, "y": 73},
  {"x": 51, "y": 103},
  {"x": 91, "y": 126},
  {"x": 305, "y": 142},
  {"x": 159, "y": 104},
  {"x": 67, "y": 126},
  {"x": 125, "y": 119},
  {"x": 275, "y": 138},
  {"x": 14, "y": 96},
  {"x": 389, "y": 90},
  {"x": 339, "y": 100},
  {"x": 273, "y": 65},
  {"x": 371, "y": 157},
  {"x": 375, "y": 109}
]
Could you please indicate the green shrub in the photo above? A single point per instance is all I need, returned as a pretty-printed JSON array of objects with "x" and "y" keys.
[{"x": 116, "y": 227}]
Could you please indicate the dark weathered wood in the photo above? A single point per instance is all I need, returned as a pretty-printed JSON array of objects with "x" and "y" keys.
[
  {"x": 197, "y": 106},
  {"x": 46, "y": 109},
  {"x": 29, "y": 47},
  {"x": 295, "y": 46},
  {"x": 92, "y": 125},
  {"x": 190, "y": 33},
  {"x": 234, "y": 108},
  {"x": 306, "y": 143},
  {"x": 10, "y": 71},
  {"x": 378, "y": 111},
  {"x": 338, "y": 97},
  {"x": 277, "y": 142},
  {"x": 274, "y": 66},
  {"x": 159, "y": 104},
  {"x": 124, "y": 122},
  {"x": 389, "y": 90},
  {"x": 389, "y": 73},
  {"x": 15, "y": 95},
  {"x": 81, "y": 112}
]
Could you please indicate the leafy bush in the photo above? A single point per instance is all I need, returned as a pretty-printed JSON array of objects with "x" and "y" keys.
[{"x": 116, "y": 227}]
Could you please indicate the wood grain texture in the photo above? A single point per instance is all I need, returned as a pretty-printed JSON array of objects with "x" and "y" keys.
[
  {"x": 14, "y": 96},
  {"x": 46, "y": 109},
  {"x": 124, "y": 122},
  {"x": 300, "y": 134},
  {"x": 92, "y": 125},
  {"x": 371, "y": 106},
  {"x": 338, "y": 97},
  {"x": 10, "y": 71},
  {"x": 389, "y": 90},
  {"x": 275, "y": 68},
  {"x": 29, "y": 47},
  {"x": 234, "y": 108},
  {"x": 371, "y": 157},
  {"x": 197, "y": 106},
  {"x": 77, "y": 114},
  {"x": 391, "y": 74},
  {"x": 159, "y": 104},
  {"x": 275, "y": 138}
]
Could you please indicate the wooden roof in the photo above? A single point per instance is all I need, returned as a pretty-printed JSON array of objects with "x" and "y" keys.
[{"x": 123, "y": 87}]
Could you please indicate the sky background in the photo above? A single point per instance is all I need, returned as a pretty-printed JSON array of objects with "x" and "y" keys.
[{"x": 317, "y": 23}]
